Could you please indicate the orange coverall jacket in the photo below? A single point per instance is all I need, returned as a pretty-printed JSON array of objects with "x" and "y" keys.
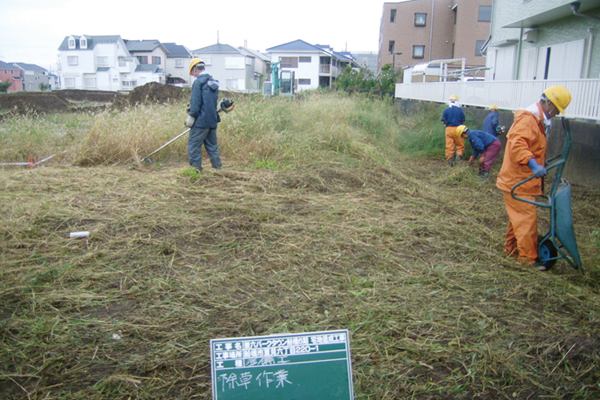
[{"x": 525, "y": 140}]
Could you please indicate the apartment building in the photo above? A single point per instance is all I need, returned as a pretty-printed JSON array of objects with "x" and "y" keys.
[
  {"x": 544, "y": 40},
  {"x": 418, "y": 31}
]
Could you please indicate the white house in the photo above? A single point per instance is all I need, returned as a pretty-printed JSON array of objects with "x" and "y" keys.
[
  {"x": 177, "y": 63},
  {"x": 314, "y": 66},
  {"x": 102, "y": 63},
  {"x": 262, "y": 64},
  {"x": 233, "y": 68}
]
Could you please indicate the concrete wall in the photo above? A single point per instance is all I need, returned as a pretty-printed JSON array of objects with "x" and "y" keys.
[{"x": 583, "y": 164}]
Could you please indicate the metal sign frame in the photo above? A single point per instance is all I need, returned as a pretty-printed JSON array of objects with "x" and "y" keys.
[{"x": 283, "y": 366}]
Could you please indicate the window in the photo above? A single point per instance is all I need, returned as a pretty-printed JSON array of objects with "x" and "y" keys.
[
  {"x": 179, "y": 63},
  {"x": 478, "y": 45},
  {"x": 121, "y": 61},
  {"x": 235, "y": 62},
  {"x": 485, "y": 14},
  {"x": 305, "y": 59},
  {"x": 143, "y": 59},
  {"x": 234, "y": 83},
  {"x": 420, "y": 19},
  {"x": 418, "y": 51},
  {"x": 83, "y": 43},
  {"x": 391, "y": 46},
  {"x": 155, "y": 60},
  {"x": 71, "y": 43},
  {"x": 129, "y": 84},
  {"x": 303, "y": 81},
  {"x": 289, "y": 62},
  {"x": 102, "y": 61},
  {"x": 90, "y": 82},
  {"x": 72, "y": 60},
  {"x": 393, "y": 16},
  {"x": 70, "y": 83}
]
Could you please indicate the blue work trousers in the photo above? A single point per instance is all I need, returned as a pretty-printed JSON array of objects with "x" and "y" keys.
[{"x": 208, "y": 137}]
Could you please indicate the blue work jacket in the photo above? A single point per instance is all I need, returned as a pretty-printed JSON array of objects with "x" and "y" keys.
[
  {"x": 480, "y": 141},
  {"x": 204, "y": 101},
  {"x": 453, "y": 116},
  {"x": 490, "y": 123}
]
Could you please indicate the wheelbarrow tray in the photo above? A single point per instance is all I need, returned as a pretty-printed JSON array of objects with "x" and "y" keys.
[{"x": 564, "y": 222}]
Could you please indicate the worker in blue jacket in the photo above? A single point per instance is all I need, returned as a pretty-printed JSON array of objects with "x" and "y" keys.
[
  {"x": 203, "y": 117},
  {"x": 484, "y": 144},
  {"x": 490, "y": 123},
  {"x": 452, "y": 117}
]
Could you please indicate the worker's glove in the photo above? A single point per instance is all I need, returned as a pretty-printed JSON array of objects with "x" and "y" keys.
[
  {"x": 482, "y": 158},
  {"x": 537, "y": 169},
  {"x": 189, "y": 121},
  {"x": 471, "y": 160}
]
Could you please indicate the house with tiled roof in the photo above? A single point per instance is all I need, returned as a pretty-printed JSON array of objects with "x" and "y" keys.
[
  {"x": 148, "y": 52},
  {"x": 177, "y": 63},
  {"x": 8, "y": 72},
  {"x": 102, "y": 63},
  {"x": 313, "y": 66},
  {"x": 34, "y": 77},
  {"x": 233, "y": 68}
]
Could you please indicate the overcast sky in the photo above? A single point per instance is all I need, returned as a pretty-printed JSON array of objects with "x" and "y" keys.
[{"x": 32, "y": 30}]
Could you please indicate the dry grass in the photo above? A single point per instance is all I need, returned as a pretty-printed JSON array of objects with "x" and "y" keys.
[{"x": 404, "y": 253}]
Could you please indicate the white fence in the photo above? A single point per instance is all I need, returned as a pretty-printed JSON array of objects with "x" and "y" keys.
[{"x": 508, "y": 95}]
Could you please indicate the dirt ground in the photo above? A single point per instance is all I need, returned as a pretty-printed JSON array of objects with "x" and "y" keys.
[{"x": 72, "y": 99}]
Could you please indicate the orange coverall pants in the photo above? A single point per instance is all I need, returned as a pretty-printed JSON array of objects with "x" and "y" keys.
[
  {"x": 453, "y": 140},
  {"x": 523, "y": 238}
]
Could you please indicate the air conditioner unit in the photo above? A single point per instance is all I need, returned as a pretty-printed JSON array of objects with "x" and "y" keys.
[{"x": 531, "y": 36}]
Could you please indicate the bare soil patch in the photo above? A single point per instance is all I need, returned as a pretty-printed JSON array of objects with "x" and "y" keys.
[{"x": 72, "y": 100}]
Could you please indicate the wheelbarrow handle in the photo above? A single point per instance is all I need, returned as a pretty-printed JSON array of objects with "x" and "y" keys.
[
  {"x": 548, "y": 168},
  {"x": 537, "y": 203}
]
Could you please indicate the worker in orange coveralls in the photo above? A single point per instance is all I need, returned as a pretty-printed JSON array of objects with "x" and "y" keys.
[
  {"x": 525, "y": 154},
  {"x": 453, "y": 117}
]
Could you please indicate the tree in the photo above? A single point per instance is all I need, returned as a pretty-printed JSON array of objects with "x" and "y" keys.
[
  {"x": 363, "y": 79},
  {"x": 388, "y": 77},
  {"x": 5, "y": 85},
  {"x": 44, "y": 87}
]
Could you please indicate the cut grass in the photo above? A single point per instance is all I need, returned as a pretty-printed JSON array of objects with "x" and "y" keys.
[{"x": 403, "y": 252}]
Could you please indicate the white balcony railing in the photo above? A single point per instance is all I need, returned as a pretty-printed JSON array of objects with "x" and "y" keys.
[{"x": 508, "y": 95}]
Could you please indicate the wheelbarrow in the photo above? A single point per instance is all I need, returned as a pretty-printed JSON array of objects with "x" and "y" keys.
[{"x": 559, "y": 242}]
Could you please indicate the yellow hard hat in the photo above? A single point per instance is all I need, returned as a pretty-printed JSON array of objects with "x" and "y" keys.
[
  {"x": 461, "y": 129},
  {"x": 195, "y": 62},
  {"x": 493, "y": 107},
  {"x": 454, "y": 97},
  {"x": 559, "y": 96}
]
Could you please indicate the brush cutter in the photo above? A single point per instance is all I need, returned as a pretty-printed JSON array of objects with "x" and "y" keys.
[
  {"x": 226, "y": 106},
  {"x": 559, "y": 242}
]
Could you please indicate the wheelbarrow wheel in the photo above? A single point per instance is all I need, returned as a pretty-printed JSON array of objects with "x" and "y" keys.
[{"x": 546, "y": 252}]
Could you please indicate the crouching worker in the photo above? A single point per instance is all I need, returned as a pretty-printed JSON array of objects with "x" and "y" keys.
[
  {"x": 203, "y": 117},
  {"x": 524, "y": 156},
  {"x": 484, "y": 144}
]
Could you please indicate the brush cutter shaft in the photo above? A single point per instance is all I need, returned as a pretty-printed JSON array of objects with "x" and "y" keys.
[{"x": 166, "y": 144}]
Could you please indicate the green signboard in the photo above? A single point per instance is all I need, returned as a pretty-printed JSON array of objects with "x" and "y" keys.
[{"x": 299, "y": 366}]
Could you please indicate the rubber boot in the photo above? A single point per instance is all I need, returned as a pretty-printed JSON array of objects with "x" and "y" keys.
[
  {"x": 451, "y": 161},
  {"x": 484, "y": 175},
  {"x": 458, "y": 158}
]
